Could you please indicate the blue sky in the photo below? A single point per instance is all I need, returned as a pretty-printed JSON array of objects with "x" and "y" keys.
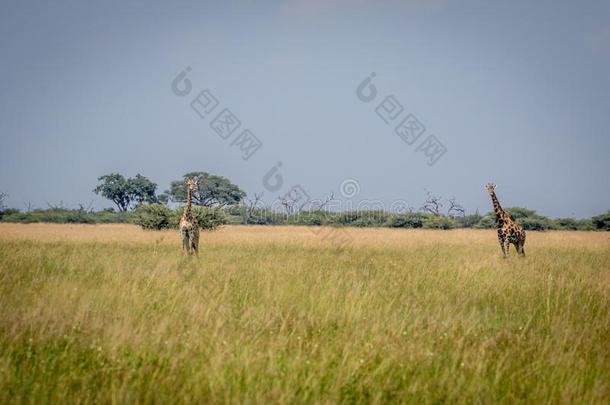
[{"x": 517, "y": 92}]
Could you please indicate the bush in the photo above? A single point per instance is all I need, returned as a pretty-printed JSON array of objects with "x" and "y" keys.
[
  {"x": 360, "y": 218},
  {"x": 207, "y": 218},
  {"x": 8, "y": 211},
  {"x": 572, "y": 224},
  {"x": 467, "y": 221},
  {"x": 264, "y": 216},
  {"x": 159, "y": 216},
  {"x": 535, "y": 224},
  {"x": 602, "y": 222},
  {"x": 439, "y": 222},
  {"x": 153, "y": 216},
  {"x": 519, "y": 213},
  {"x": 408, "y": 220},
  {"x": 487, "y": 222},
  {"x": 311, "y": 218}
]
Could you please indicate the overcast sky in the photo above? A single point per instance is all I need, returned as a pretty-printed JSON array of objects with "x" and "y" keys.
[{"x": 518, "y": 93}]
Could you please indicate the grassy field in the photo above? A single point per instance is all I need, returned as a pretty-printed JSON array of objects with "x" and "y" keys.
[{"x": 111, "y": 313}]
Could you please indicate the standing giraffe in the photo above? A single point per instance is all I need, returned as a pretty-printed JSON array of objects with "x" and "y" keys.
[
  {"x": 508, "y": 231},
  {"x": 189, "y": 228}
]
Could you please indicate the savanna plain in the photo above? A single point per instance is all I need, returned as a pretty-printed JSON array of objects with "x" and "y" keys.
[{"x": 115, "y": 314}]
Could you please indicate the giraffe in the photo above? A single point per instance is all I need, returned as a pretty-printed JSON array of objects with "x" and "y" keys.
[
  {"x": 508, "y": 231},
  {"x": 189, "y": 228}
]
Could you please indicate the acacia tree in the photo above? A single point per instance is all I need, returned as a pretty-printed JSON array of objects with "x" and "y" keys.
[
  {"x": 455, "y": 209},
  {"x": 126, "y": 192},
  {"x": 211, "y": 190},
  {"x": 432, "y": 204}
]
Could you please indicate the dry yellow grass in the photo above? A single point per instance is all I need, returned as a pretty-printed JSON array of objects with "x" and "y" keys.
[{"x": 115, "y": 314}]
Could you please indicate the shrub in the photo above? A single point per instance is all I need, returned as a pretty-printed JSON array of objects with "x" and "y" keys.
[
  {"x": 313, "y": 218},
  {"x": 439, "y": 222},
  {"x": 487, "y": 222},
  {"x": 407, "y": 220},
  {"x": 519, "y": 213},
  {"x": 467, "y": 221},
  {"x": 602, "y": 222},
  {"x": 362, "y": 218},
  {"x": 207, "y": 218},
  {"x": 8, "y": 211},
  {"x": 535, "y": 224},
  {"x": 572, "y": 224},
  {"x": 264, "y": 216},
  {"x": 153, "y": 216}
]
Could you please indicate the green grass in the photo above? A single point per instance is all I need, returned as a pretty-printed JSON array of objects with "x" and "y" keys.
[{"x": 276, "y": 314}]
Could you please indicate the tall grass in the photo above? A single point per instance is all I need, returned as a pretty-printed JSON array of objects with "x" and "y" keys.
[{"x": 111, "y": 313}]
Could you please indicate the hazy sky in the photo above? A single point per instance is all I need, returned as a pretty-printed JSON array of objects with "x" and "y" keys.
[{"x": 517, "y": 92}]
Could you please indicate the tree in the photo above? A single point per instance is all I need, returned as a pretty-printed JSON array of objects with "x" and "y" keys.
[
  {"x": 126, "y": 192},
  {"x": 211, "y": 190},
  {"x": 455, "y": 209},
  {"x": 252, "y": 206},
  {"x": 432, "y": 205},
  {"x": 142, "y": 190}
]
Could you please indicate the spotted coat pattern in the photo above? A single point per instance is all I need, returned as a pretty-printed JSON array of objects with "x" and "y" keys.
[
  {"x": 508, "y": 231},
  {"x": 189, "y": 228}
]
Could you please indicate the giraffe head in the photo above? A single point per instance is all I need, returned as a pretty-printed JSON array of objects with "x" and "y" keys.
[
  {"x": 490, "y": 188},
  {"x": 191, "y": 183}
]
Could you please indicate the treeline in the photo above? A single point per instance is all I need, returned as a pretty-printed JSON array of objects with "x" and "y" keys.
[
  {"x": 218, "y": 201},
  {"x": 529, "y": 219},
  {"x": 159, "y": 216}
]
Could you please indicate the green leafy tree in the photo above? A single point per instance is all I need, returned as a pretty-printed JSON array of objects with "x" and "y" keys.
[
  {"x": 519, "y": 213},
  {"x": 142, "y": 190},
  {"x": 211, "y": 190},
  {"x": 126, "y": 192}
]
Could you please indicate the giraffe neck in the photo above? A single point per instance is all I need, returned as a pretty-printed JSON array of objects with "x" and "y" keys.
[
  {"x": 189, "y": 203},
  {"x": 500, "y": 214}
]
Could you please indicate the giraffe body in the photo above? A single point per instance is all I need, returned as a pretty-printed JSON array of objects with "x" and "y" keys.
[
  {"x": 508, "y": 231},
  {"x": 189, "y": 228}
]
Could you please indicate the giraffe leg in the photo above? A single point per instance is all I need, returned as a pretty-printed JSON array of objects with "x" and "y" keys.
[
  {"x": 193, "y": 245},
  {"x": 505, "y": 246},
  {"x": 503, "y": 242},
  {"x": 190, "y": 241},
  {"x": 523, "y": 244},
  {"x": 185, "y": 240},
  {"x": 195, "y": 241},
  {"x": 521, "y": 248}
]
